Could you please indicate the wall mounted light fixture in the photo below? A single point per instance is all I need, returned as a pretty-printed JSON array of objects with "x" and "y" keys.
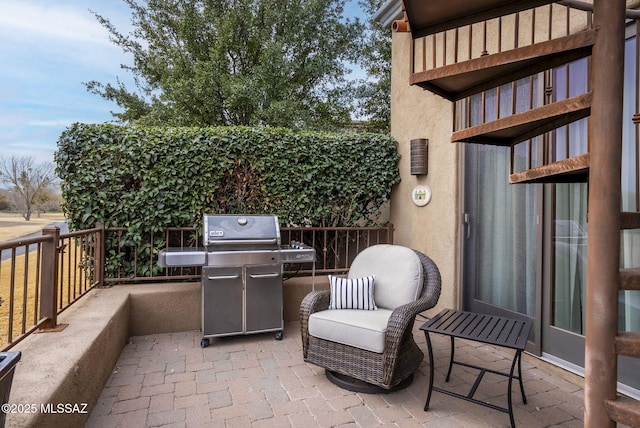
[{"x": 419, "y": 156}]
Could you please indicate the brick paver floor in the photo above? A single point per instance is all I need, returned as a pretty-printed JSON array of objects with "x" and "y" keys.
[{"x": 168, "y": 380}]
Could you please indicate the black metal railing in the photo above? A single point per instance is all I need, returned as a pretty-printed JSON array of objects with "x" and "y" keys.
[
  {"x": 43, "y": 276},
  {"x": 336, "y": 247}
]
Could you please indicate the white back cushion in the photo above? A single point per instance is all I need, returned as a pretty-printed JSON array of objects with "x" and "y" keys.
[{"x": 398, "y": 273}]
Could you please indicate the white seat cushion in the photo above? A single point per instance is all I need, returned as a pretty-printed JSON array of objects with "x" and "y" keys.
[
  {"x": 398, "y": 272},
  {"x": 353, "y": 327}
]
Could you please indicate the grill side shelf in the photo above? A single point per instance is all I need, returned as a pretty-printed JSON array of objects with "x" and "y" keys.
[{"x": 175, "y": 257}]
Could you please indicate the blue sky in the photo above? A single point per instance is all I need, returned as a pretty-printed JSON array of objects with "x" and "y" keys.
[{"x": 47, "y": 49}]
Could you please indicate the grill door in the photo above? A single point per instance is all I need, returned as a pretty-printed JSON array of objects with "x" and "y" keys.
[
  {"x": 263, "y": 298},
  {"x": 222, "y": 301}
]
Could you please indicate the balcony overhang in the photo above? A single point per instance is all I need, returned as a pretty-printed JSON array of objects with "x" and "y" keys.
[{"x": 433, "y": 16}]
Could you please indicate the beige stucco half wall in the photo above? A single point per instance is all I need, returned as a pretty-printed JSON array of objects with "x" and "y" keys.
[{"x": 432, "y": 229}]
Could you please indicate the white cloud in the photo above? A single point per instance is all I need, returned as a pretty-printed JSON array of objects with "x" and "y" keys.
[
  {"x": 56, "y": 123},
  {"x": 55, "y": 30},
  {"x": 47, "y": 49},
  {"x": 39, "y": 152},
  {"x": 25, "y": 21}
]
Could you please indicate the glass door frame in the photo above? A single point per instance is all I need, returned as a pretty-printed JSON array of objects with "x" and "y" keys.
[
  {"x": 468, "y": 300},
  {"x": 557, "y": 343},
  {"x": 561, "y": 346}
]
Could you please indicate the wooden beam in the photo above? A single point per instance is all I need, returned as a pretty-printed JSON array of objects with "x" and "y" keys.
[
  {"x": 628, "y": 343},
  {"x": 457, "y": 81},
  {"x": 624, "y": 410},
  {"x": 630, "y": 279},
  {"x": 572, "y": 170},
  {"x": 519, "y": 127},
  {"x": 630, "y": 220},
  {"x": 603, "y": 248}
]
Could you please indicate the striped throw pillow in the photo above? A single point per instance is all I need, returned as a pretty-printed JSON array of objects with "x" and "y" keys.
[{"x": 356, "y": 293}]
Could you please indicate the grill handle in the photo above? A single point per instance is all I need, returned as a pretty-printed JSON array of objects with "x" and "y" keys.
[
  {"x": 243, "y": 241},
  {"x": 214, "y": 277},
  {"x": 264, "y": 275}
]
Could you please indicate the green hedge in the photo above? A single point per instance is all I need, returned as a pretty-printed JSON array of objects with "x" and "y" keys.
[{"x": 146, "y": 179}]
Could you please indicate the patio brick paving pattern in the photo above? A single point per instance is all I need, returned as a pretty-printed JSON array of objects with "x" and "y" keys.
[{"x": 168, "y": 380}]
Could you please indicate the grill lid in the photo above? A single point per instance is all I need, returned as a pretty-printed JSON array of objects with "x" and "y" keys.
[{"x": 230, "y": 230}]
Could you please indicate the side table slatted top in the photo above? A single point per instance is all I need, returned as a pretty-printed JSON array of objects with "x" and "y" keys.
[
  {"x": 490, "y": 329},
  {"x": 493, "y": 330}
]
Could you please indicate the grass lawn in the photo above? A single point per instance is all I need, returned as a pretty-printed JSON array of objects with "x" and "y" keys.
[
  {"x": 13, "y": 225},
  {"x": 18, "y": 278}
]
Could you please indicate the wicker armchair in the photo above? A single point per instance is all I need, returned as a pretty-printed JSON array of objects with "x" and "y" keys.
[{"x": 385, "y": 369}]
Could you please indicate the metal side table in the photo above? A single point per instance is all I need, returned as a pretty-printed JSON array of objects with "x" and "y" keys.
[{"x": 493, "y": 330}]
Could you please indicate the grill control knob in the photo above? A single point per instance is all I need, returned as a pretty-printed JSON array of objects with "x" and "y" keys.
[{"x": 242, "y": 221}]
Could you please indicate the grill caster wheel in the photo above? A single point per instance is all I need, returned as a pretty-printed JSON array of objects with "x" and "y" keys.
[
  {"x": 204, "y": 343},
  {"x": 279, "y": 335}
]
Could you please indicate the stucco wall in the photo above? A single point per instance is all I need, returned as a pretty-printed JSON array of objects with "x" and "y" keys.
[
  {"x": 432, "y": 229},
  {"x": 416, "y": 113}
]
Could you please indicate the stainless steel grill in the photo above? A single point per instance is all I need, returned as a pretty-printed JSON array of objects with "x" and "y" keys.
[{"x": 242, "y": 263}]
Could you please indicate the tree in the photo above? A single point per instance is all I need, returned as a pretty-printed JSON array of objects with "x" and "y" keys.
[
  {"x": 236, "y": 62},
  {"x": 373, "y": 95},
  {"x": 5, "y": 203},
  {"x": 30, "y": 182}
]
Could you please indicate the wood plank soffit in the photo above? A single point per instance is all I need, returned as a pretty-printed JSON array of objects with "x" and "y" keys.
[{"x": 433, "y": 16}]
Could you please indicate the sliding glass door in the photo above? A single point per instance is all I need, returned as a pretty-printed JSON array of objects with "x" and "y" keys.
[
  {"x": 501, "y": 221},
  {"x": 500, "y": 236},
  {"x": 566, "y": 237},
  {"x": 565, "y": 273},
  {"x": 525, "y": 245}
]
